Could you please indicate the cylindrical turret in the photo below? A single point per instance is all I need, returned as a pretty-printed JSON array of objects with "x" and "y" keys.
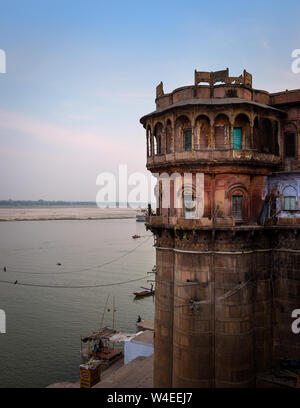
[{"x": 213, "y": 310}]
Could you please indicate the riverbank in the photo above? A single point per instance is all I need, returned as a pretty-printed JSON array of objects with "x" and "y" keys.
[
  {"x": 65, "y": 213},
  {"x": 136, "y": 374}
]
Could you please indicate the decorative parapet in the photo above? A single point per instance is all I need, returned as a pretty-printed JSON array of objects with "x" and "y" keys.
[
  {"x": 249, "y": 155},
  {"x": 223, "y": 76},
  {"x": 219, "y": 84}
]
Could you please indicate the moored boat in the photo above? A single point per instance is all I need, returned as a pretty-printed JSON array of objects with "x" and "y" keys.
[
  {"x": 140, "y": 216},
  {"x": 145, "y": 292}
]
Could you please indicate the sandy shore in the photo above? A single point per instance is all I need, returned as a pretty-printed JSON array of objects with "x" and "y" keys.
[{"x": 65, "y": 213}]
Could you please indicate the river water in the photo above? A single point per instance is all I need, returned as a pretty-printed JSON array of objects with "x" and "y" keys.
[{"x": 44, "y": 323}]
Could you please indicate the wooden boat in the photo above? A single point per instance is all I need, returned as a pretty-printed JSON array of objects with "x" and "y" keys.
[
  {"x": 136, "y": 236},
  {"x": 148, "y": 292},
  {"x": 141, "y": 216}
]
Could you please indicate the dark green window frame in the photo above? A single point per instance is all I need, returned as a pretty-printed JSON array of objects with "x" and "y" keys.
[{"x": 290, "y": 203}]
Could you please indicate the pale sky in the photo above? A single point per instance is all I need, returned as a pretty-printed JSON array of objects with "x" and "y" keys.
[{"x": 81, "y": 73}]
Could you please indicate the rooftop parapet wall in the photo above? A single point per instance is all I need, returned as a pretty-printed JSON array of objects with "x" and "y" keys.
[
  {"x": 220, "y": 85},
  {"x": 285, "y": 97},
  {"x": 240, "y": 87},
  {"x": 205, "y": 92}
]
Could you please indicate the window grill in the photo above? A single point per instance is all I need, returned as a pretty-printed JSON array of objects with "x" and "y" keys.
[{"x": 237, "y": 207}]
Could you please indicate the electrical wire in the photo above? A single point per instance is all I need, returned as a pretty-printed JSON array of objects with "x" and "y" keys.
[
  {"x": 73, "y": 287},
  {"x": 8, "y": 269}
]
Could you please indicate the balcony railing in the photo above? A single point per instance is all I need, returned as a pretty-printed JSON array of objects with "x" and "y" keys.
[
  {"x": 157, "y": 220},
  {"x": 282, "y": 221},
  {"x": 214, "y": 154}
]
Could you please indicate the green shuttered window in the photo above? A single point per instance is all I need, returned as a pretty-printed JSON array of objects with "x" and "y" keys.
[
  {"x": 289, "y": 203},
  {"x": 237, "y": 138}
]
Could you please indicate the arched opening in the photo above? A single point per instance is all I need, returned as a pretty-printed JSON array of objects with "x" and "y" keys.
[
  {"x": 289, "y": 135},
  {"x": 158, "y": 138},
  {"x": 149, "y": 145},
  {"x": 169, "y": 146},
  {"x": 289, "y": 198},
  {"x": 256, "y": 141},
  {"x": 237, "y": 202},
  {"x": 202, "y": 132},
  {"x": 265, "y": 135},
  {"x": 275, "y": 137},
  {"x": 241, "y": 132},
  {"x": 189, "y": 203},
  {"x": 221, "y": 132},
  {"x": 183, "y": 134},
  {"x": 237, "y": 206}
]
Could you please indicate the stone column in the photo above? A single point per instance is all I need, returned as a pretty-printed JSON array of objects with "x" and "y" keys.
[
  {"x": 212, "y": 135},
  {"x": 152, "y": 144},
  {"x": 252, "y": 135},
  {"x": 193, "y": 131},
  {"x": 231, "y": 135},
  {"x": 164, "y": 137}
]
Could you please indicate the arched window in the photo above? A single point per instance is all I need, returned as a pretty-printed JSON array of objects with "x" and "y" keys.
[
  {"x": 241, "y": 132},
  {"x": 237, "y": 202},
  {"x": 183, "y": 134},
  {"x": 289, "y": 144},
  {"x": 157, "y": 138},
  {"x": 289, "y": 198},
  {"x": 169, "y": 137},
  {"x": 266, "y": 135},
  {"x": 202, "y": 129},
  {"x": 222, "y": 140},
  {"x": 157, "y": 145},
  {"x": 237, "y": 206},
  {"x": 187, "y": 139}
]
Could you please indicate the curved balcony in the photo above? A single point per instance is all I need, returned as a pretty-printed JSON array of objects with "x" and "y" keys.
[
  {"x": 192, "y": 224},
  {"x": 213, "y": 155}
]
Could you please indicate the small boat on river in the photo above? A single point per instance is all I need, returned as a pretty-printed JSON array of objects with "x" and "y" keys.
[{"x": 145, "y": 292}]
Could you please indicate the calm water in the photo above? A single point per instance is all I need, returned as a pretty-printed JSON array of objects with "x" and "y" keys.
[{"x": 44, "y": 325}]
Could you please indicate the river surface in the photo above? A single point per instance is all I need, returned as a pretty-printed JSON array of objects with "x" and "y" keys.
[{"x": 44, "y": 323}]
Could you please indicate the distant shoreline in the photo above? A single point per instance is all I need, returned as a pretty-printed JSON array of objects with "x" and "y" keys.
[{"x": 49, "y": 213}]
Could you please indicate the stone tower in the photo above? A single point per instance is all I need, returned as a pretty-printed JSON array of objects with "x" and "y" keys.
[{"x": 227, "y": 257}]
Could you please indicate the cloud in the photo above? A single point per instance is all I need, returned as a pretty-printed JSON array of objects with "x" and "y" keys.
[
  {"x": 266, "y": 46},
  {"x": 114, "y": 95},
  {"x": 48, "y": 133}
]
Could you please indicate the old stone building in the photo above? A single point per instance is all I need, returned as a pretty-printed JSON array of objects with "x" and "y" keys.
[{"x": 228, "y": 257}]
